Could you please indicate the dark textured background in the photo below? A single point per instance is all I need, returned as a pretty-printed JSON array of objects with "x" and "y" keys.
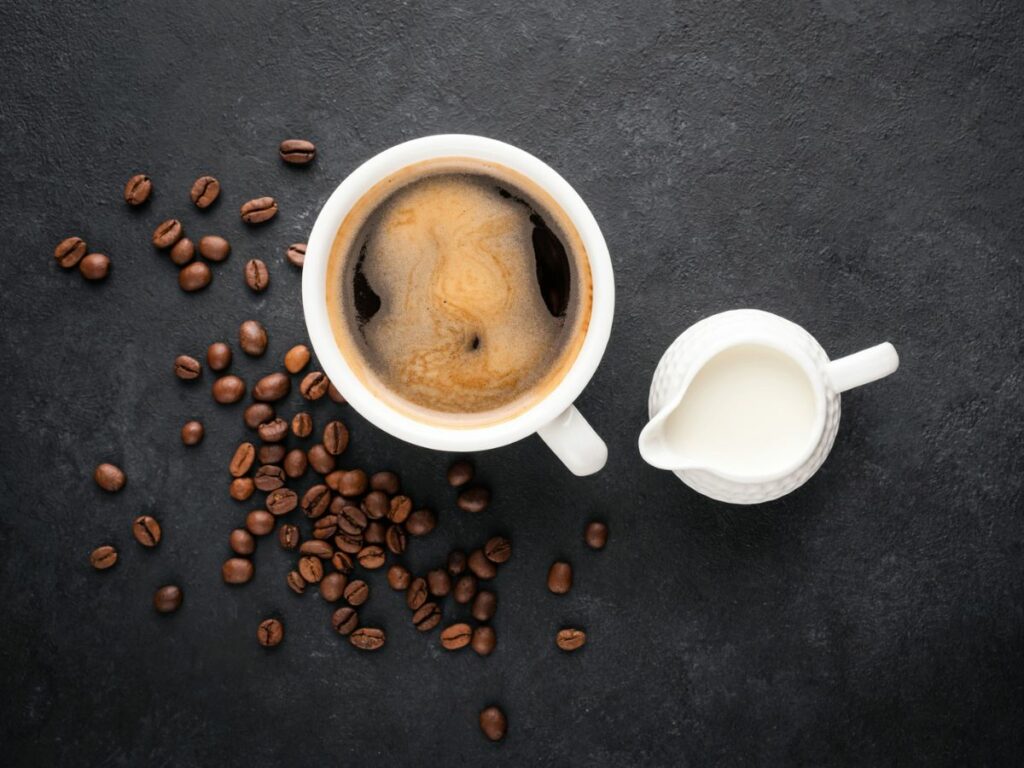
[{"x": 854, "y": 166}]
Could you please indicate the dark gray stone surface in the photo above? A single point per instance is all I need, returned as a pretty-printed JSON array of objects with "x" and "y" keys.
[{"x": 854, "y": 166}]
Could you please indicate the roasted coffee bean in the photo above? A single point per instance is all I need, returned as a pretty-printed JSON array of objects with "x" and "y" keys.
[
  {"x": 187, "y": 368},
  {"x": 456, "y": 562},
  {"x": 241, "y": 542},
  {"x": 596, "y": 535},
  {"x": 192, "y": 433},
  {"x": 316, "y": 500},
  {"x": 228, "y": 389},
  {"x": 421, "y": 522},
  {"x": 256, "y": 414},
  {"x": 398, "y": 577},
  {"x": 218, "y": 356},
  {"x": 242, "y": 488},
  {"x": 460, "y": 473},
  {"x": 314, "y": 385},
  {"x": 474, "y": 499},
  {"x": 498, "y": 549},
  {"x": 182, "y": 252},
  {"x": 375, "y": 533},
  {"x": 236, "y": 570},
  {"x": 480, "y": 565},
  {"x": 204, "y": 191},
  {"x": 484, "y": 605},
  {"x": 317, "y": 548},
  {"x": 371, "y": 557},
  {"x": 194, "y": 276},
  {"x": 282, "y": 501},
  {"x": 320, "y": 460},
  {"x": 325, "y": 527},
  {"x": 493, "y": 723},
  {"x": 71, "y": 250},
  {"x": 335, "y": 438},
  {"x": 426, "y": 617},
  {"x": 137, "y": 189},
  {"x": 259, "y": 210},
  {"x": 388, "y": 483},
  {"x": 288, "y": 536},
  {"x": 464, "y": 589},
  {"x": 335, "y": 395},
  {"x": 273, "y": 431},
  {"x": 416, "y": 593},
  {"x": 367, "y": 638},
  {"x": 342, "y": 561},
  {"x": 257, "y": 276},
  {"x": 332, "y": 587},
  {"x": 103, "y": 557},
  {"x": 349, "y": 543},
  {"x": 95, "y": 266},
  {"x": 272, "y": 387},
  {"x": 439, "y": 582},
  {"x": 456, "y": 636},
  {"x": 270, "y": 633},
  {"x": 357, "y": 593},
  {"x": 302, "y": 424},
  {"x": 146, "y": 530},
  {"x": 296, "y": 358},
  {"x": 167, "y": 233},
  {"x": 241, "y": 461},
  {"x": 311, "y": 569},
  {"x": 109, "y": 477},
  {"x": 376, "y": 505},
  {"x": 560, "y": 578},
  {"x": 167, "y": 599},
  {"x": 252, "y": 338},
  {"x": 352, "y": 520},
  {"x": 399, "y": 508},
  {"x": 271, "y": 453},
  {"x": 344, "y": 620},
  {"x": 214, "y": 248},
  {"x": 352, "y": 483},
  {"x": 296, "y": 254},
  {"x": 259, "y": 522},
  {"x": 295, "y": 463},
  {"x": 395, "y": 539},
  {"x": 484, "y": 640},
  {"x": 295, "y": 582},
  {"x": 297, "y": 151},
  {"x": 570, "y": 639}
]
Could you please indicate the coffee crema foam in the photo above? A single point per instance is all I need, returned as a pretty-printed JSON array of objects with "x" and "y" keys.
[{"x": 459, "y": 291}]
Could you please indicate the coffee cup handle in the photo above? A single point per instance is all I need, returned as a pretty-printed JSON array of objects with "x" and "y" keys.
[{"x": 574, "y": 441}]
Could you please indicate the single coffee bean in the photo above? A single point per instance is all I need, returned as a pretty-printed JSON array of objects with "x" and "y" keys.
[
  {"x": 95, "y": 266},
  {"x": 71, "y": 250},
  {"x": 282, "y": 501},
  {"x": 257, "y": 277},
  {"x": 352, "y": 520},
  {"x": 349, "y": 544},
  {"x": 416, "y": 593},
  {"x": 560, "y": 578},
  {"x": 237, "y": 570},
  {"x": 269, "y": 477},
  {"x": 596, "y": 535},
  {"x": 317, "y": 548},
  {"x": 270, "y": 633},
  {"x": 474, "y": 499},
  {"x": 388, "y": 483},
  {"x": 228, "y": 389},
  {"x": 439, "y": 582},
  {"x": 192, "y": 432},
  {"x": 456, "y": 636},
  {"x": 146, "y": 531},
  {"x": 302, "y": 424},
  {"x": 316, "y": 500},
  {"x": 335, "y": 395},
  {"x": 296, "y": 254},
  {"x": 252, "y": 338},
  {"x": 460, "y": 473},
  {"x": 479, "y": 564},
  {"x": 344, "y": 620},
  {"x": 464, "y": 589},
  {"x": 194, "y": 277},
  {"x": 109, "y": 477},
  {"x": 137, "y": 189},
  {"x": 288, "y": 536},
  {"x": 272, "y": 387},
  {"x": 398, "y": 577},
  {"x": 570, "y": 639},
  {"x": 352, "y": 483},
  {"x": 205, "y": 191},
  {"x": 375, "y": 533},
  {"x": 325, "y": 527},
  {"x": 182, "y": 252},
  {"x": 426, "y": 617},
  {"x": 367, "y": 638},
  {"x": 421, "y": 522},
  {"x": 167, "y": 233},
  {"x": 242, "y": 488},
  {"x": 395, "y": 539},
  {"x": 484, "y": 640},
  {"x": 241, "y": 542},
  {"x": 371, "y": 557},
  {"x": 295, "y": 582},
  {"x": 332, "y": 587},
  {"x": 335, "y": 438},
  {"x": 376, "y": 505},
  {"x": 187, "y": 368},
  {"x": 256, "y": 414},
  {"x": 498, "y": 549},
  {"x": 218, "y": 356},
  {"x": 456, "y": 562},
  {"x": 273, "y": 431},
  {"x": 297, "y": 151},
  {"x": 103, "y": 557},
  {"x": 167, "y": 599},
  {"x": 399, "y": 509},
  {"x": 271, "y": 453},
  {"x": 357, "y": 593},
  {"x": 320, "y": 460},
  {"x": 311, "y": 569},
  {"x": 296, "y": 358},
  {"x": 259, "y": 522},
  {"x": 259, "y": 210},
  {"x": 342, "y": 561},
  {"x": 314, "y": 385},
  {"x": 493, "y": 723},
  {"x": 484, "y": 605},
  {"x": 295, "y": 463},
  {"x": 241, "y": 461}
]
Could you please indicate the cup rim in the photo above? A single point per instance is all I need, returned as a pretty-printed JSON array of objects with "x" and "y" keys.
[{"x": 314, "y": 303}]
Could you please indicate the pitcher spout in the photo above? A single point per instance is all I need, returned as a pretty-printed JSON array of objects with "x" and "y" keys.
[{"x": 657, "y": 450}]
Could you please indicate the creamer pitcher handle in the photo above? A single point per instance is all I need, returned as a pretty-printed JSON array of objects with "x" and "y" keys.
[
  {"x": 863, "y": 367},
  {"x": 575, "y": 442}
]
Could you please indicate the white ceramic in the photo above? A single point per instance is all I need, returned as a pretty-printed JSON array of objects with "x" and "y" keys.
[
  {"x": 554, "y": 418},
  {"x": 711, "y": 336}
]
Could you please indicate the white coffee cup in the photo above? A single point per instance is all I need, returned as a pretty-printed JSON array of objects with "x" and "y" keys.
[{"x": 554, "y": 418}]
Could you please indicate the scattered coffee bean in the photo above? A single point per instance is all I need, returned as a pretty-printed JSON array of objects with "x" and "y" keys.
[
  {"x": 259, "y": 522},
  {"x": 325, "y": 527},
  {"x": 352, "y": 483},
  {"x": 317, "y": 548},
  {"x": 314, "y": 385},
  {"x": 194, "y": 276},
  {"x": 109, "y": 477},
  {"x": 398, "y": 577},
  {"x": 456, "y": 636},
  {"x": 421, "y": 522},
  {"x": 439, "y": 582},
  {"x": 252, "y": 338},
  {"x": 456, "y": 562},
  {"x": 311, "y": 568},
  {"x": 335, "y": 395},
  {"x": 296, "y": 254},
  {"x": 242, "y": 488},
  {"x": 464, "y": 589},
  {"x": 388, "y": 483},
  {"x": 146, "y": 531},
  {"x": 316, "y": 500},
  {"x": 218, "y": 356},
  {"x": 375, "y": 533},
  {"x": 257, "y": 277},
  {"x": 236, "y": 570},
  {"x": 187, "y": 368},
  {"x": 297, "y": 151},
  {"x": 103, "y": 557},
  {"x": 474, "y": 499},
  {"x": 256, "y": 414},
  {"x": 167, "y": 233},
  {"x": 335, "y": 438},
  {"x": 192, "y": 432},
  {"x": 182, "y": 252},
  {"x": 570, "y": 639},
  {"x": 71, "y": 250},
  {"x": 295, "y": 463},
  {"x": 259, "y": 210},
  {"x": 399, "y": 508},
  {"x": 493, "y": 723},
  {"x": 426, "y": 617},
  {"x": 95, "y": 266},
  {"x": 296, "y": 358},
  {"x": 484, "y": 605},
  {"x": 273, "y": 431},
  {"x": 204, "y": 191},
  {"x": 295, "y": 582},
  {"x": 460, "y": 473},
  {"x": 596, "y": 535},
  {"x": 480, "y": 565},
  {"x": 348, "y": 543},
  {"x": 367, "y": 638},
  {"x": 371, "y": 557},
  {"x": 320, "y": 460},
  {"x": 302, "y": 424},
  {"x": 342, "y": 561},
  {"x": 352, "y": 520},
  {"x": 344, "y": 620},
  {"x": 272, "y": 387},
  {"x": 416, "y": 593},
  {"x": 167, "y": 599},
  {"x": 498, "y": 549},
  {"x": 376, "y": 505},
  {"x": 282, "y": 501},
  {"x": 270, "y": 633},
  {"x": 271, "y": 453},
  {"x": 269, "y": 477},
  {"x": 242, "y": 459},
  {"x": 484, "y": 640},
  {"x": 137, "y": 189},
  {"x": 560, "y": 578},
  {"x": 332, "y": 587},
  {"x": 394, "y": 538},
  {"x": 288, "y": 536},
  {"x": 228, "y": 389},
  {"x": 357, "y": 593},
  {"x": 241, "y": 542}
]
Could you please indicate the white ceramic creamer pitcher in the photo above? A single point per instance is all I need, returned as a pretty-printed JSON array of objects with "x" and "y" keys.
[{"x": 744, "y": 405}]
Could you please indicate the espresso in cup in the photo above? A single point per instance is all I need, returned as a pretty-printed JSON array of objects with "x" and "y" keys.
[{"x": 459, "y": 291}]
